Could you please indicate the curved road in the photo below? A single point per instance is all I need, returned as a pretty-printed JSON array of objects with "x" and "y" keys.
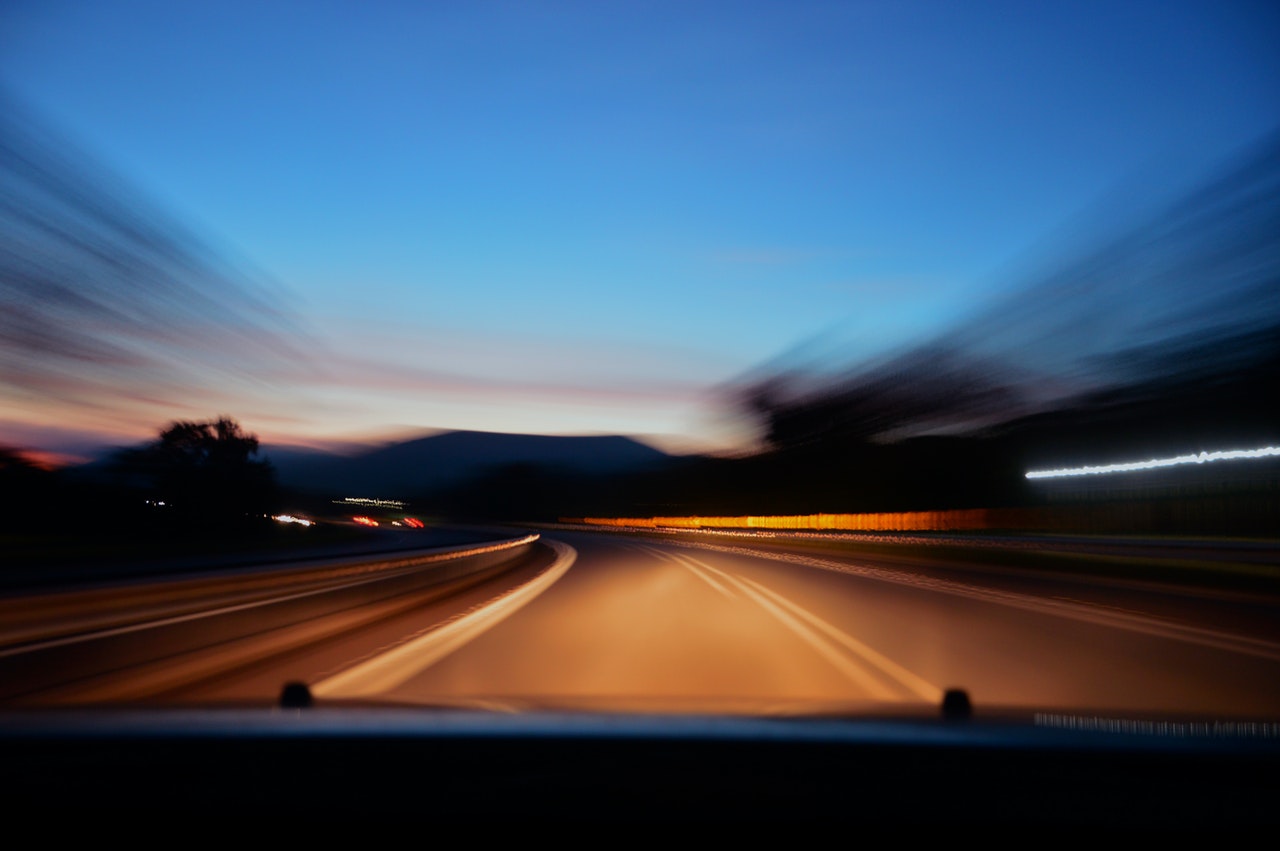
[
  {"x": 647, "y": 624},
  {"x": 608, "y": 621}
]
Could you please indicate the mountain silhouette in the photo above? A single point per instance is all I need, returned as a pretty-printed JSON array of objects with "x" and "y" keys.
[{"x": 434, "y": 463}]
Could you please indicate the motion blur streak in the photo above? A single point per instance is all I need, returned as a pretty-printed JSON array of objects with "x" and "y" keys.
[
  {"x": 1154, "y": 463},
  {"x": 1179, "y": 308},
  {"x": 387, "y": 670},
  {"x": 105, "y": 301}
]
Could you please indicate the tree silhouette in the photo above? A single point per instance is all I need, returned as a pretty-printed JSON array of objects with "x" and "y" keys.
[
  {"x": 26, "y": 491},
  {"x": 204, "y": 473}
]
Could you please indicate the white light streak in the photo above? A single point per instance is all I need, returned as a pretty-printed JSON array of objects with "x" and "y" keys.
[
  {"x": 1156, "y": 463},
  {"x": 361, "y": 500}
]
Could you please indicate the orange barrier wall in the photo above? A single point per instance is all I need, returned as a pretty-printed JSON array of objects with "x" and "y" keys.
[
  {"x": 978, "y": 518},
  {"x": 1249, "y": 514}
]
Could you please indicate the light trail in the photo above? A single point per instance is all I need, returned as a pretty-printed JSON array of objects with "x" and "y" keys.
[
  {"x": 1156, "y": 463},
  {"x": 399, "y": 663}
]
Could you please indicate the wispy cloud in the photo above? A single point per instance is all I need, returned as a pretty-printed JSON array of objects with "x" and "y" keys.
[{"x": 109, "y": 309}]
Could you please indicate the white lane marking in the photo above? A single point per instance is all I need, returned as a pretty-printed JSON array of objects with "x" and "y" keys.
[
  {"x": 788, "y": 612},
  {"x": 405, "y": 661},
  {"x": 824, "y": 648},
  {"x": 1085, "y": 612},
  {"x": 905, "y": 677},
  {"x": 412, "y": 565},
  {"x": 693, "y": 567}
]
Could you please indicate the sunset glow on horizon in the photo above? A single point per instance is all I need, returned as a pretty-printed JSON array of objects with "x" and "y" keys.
[{"x": 574, "y": 219}]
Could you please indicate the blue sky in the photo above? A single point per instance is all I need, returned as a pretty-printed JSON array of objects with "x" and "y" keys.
[{"x": 584, "y": 217}]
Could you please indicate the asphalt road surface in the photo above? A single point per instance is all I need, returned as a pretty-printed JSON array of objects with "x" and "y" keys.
[{"x": 617, "y": 622}]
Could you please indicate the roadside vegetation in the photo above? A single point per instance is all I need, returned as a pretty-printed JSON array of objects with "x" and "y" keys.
[{"x": 197, "y": 491}]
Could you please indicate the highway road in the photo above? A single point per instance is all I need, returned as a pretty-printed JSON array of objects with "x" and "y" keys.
[{"x": 642, "y": 623}]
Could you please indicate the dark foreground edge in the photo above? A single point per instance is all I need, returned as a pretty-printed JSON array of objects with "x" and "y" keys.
[{"x": 340, "y": 763}]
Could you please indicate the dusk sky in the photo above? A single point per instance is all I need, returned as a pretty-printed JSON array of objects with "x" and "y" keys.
[{"x": 591, "y": 217}]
